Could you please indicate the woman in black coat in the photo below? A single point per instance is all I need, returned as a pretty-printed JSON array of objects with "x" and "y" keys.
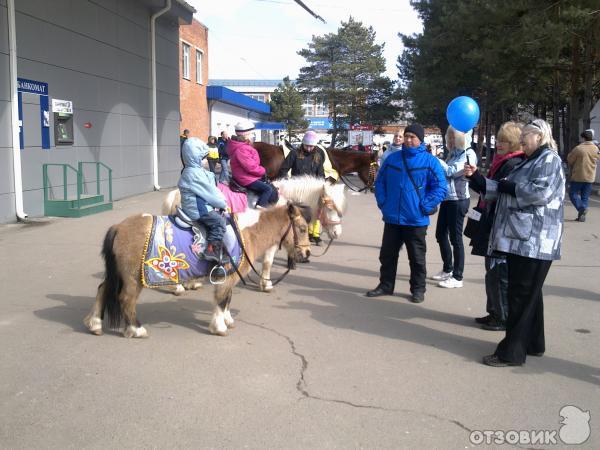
[{"x": 508, "y": 155}]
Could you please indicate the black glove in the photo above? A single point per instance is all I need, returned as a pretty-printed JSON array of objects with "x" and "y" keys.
[{"x": 507, "y": 187}]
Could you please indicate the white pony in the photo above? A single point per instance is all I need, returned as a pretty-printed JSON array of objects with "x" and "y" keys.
[{"x": 327, "y": 203}]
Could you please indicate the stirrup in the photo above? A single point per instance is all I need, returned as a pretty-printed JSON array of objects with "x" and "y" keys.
[{"x": 219, "y": 277}]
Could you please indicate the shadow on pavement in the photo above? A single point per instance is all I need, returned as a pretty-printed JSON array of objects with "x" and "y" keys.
[
  {"x": 180, "y": 311},
  {"x": 393, "y": 320}
]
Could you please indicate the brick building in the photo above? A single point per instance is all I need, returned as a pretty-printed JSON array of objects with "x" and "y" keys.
[{"x": 193, "y": 70}]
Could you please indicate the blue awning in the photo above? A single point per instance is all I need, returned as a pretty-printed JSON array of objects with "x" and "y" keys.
[
  {"x": 222, "y": 94},
  {"x": 270, "y": 126}
]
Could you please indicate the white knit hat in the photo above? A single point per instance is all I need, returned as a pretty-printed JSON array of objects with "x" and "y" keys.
[
  {"x": 310, "y": 138},
  {"x": 588, "y": 134},
  {"x": 243, "y": 126}
]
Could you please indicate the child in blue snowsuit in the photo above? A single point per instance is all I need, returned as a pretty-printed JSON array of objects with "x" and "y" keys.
[{"x": 201, "y": 199}]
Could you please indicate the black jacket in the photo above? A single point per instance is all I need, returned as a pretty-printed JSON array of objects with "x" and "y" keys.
[
  {"x": 304, "y": 163},
  {"x": 477, "y": 183},
  {"x": 222, "y": 143}
]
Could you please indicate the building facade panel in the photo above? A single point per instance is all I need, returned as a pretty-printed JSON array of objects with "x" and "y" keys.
[
  {"x": 7, "y": 182},
  {"x": 106, "y": 74}
]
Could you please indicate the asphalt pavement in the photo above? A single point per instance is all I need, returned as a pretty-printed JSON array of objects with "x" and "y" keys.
[{"x": 315, "y": 364}]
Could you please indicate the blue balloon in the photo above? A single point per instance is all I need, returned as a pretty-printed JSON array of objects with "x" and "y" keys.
[{"x": 463, "y": 113}]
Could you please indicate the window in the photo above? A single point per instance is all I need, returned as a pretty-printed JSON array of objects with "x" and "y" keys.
[
  {"x": 199, "y": 56},
  {"x": 308, "y": 106},
  {"x": 322, "y": 110},
  {"x": 259, "y": 97},
  {"x": 185, "y": 60}
]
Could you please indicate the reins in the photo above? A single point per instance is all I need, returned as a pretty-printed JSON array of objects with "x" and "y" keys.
[
  {"x": 239, "y": 238},
  {"x": 370, "y": 180}
]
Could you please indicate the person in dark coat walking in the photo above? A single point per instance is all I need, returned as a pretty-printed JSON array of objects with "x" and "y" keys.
[{"x": 508, "y": 155}]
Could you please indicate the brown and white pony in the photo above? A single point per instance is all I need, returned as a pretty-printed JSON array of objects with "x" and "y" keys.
[
  {"x": 123, "y": 250},
  {"x": 343, "y": 161},
  {"x": 327, "y": 203}
]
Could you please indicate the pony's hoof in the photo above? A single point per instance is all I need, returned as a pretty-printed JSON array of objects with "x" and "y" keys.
[
  {"x": 135, "y": 332},
  {"x": 229, "y": 320},
  {"x": 179, "y": 290},
  {"x": 267, "y": 286},
  {"x": 218, "y": 332},
  {"x": 94, "y": 324}
]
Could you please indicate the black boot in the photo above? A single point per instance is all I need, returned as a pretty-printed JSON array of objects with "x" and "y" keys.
[
  {"x": 581, "y": 215},
  {"x": 214, "y": 252},
  {"x": 317, "y": 241}
]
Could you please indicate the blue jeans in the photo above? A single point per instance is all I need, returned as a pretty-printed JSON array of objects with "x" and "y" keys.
[
  {"x": 450, "y": 222},
  {"x": 215, "y": 226},
  {"x": 579, "y": 193},
  {"x": 224, "y": 176},
  {"x": 267, "y": 194}
]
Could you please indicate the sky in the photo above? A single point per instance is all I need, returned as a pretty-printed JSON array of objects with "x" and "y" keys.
[{"x": 259, "y": 39}]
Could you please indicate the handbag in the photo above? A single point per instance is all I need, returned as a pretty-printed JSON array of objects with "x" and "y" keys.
[
  {"x": 412, "y": 180},
  {"x": 475, "y": 221}
]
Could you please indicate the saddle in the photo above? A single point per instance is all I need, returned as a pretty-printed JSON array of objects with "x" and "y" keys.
[{"x": 183, "y": 221}]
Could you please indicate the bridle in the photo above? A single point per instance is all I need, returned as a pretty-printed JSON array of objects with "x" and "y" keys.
[
  {"x": 370, "y": 179},
  {"x": 327, "y": 203}
]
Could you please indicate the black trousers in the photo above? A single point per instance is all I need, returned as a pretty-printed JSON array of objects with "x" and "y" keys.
[
  {"x": 394, "y": 236},
  {"x": 450, "y": 223},
  {"x": 525, "y": 322}
]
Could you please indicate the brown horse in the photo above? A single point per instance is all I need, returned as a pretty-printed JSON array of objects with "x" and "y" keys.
[
  {"x": 343, "y": 161},
  {"x": 124, "y": 246}
]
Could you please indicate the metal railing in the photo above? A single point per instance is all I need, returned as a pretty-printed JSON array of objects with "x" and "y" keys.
[
  {"x": 98, "y": 165},
  {"x": 80, "y": 179}
]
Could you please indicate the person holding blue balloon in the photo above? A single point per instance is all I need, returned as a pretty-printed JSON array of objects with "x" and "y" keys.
[
  {"x": 462, "y": 115},
  {"x": 453, "y": 209}
]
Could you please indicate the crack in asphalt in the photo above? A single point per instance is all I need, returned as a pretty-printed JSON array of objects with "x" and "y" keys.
[{"x": 301, "y": 385}]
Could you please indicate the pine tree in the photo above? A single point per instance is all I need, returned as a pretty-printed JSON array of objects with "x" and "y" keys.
[
  {"x": 345, "y": 71},
  {"x": 286, "y": 106}
]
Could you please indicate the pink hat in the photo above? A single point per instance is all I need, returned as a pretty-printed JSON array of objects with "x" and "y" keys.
[{"x": 310, "y": 138}]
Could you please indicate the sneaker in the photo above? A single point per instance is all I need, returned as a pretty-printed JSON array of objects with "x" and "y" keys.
[
  {"x": 451, "y": 283},
  {"x": 581, "y": 215},
  {"x": 441, "y": 276}
]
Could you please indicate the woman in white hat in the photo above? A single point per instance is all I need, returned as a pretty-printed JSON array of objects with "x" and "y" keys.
[
  {"x": 307, "y": 160},
  {"x": 245, "y": 164}
]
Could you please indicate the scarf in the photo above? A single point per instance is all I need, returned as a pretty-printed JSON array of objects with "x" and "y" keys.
[
  {"x": 497, "y": 162},
  {"x": 500, "y": 159}
]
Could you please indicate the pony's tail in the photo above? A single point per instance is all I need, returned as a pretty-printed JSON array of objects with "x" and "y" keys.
[{"x": 112, "y": 280}]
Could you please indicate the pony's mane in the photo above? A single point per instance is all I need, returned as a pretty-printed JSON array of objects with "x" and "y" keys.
[
  {"x": 304, "y": 189},
  {"x": 307, "y": 189}
]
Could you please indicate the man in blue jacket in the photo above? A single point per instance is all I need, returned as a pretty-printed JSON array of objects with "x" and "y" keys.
[{"x": 409, "y": 187}]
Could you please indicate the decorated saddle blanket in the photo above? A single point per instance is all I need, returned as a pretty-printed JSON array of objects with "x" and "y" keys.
[
  {"x": 237, "y": 201},
  {"x": 173, "y": 254}
]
